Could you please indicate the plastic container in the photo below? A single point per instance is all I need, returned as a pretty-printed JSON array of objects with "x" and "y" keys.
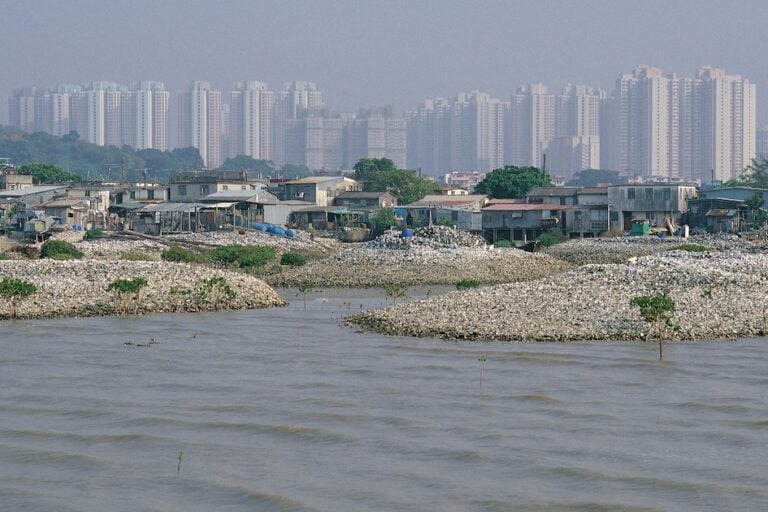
[
  {"x": 289, "y": 233},
  {"x": 407, "y": 233}
]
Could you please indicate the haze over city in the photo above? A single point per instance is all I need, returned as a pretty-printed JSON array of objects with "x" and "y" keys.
[{"x": 364, "y": 54}]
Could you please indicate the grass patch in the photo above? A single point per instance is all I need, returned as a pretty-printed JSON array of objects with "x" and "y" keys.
[
  {"x": 466, "y": 284},
  {"x": 503, "y": 244},
  {"x": 135, "y": 256},
  {"x": 293, "y": 259},
  {"x": 181, "y": 255},
  {"x": 244, "y": 256},
  {"x": 689, "y": 248}
]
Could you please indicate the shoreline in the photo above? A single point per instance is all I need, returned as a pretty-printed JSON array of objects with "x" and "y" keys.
[
  {"x": 78, "y": 288},
  {"x": 717, "y": 296}
]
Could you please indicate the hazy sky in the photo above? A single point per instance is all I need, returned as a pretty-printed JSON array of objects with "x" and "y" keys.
[{"x": 365, "y": 53}]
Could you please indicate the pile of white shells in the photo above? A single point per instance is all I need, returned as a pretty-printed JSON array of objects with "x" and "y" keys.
[
  {"x": 362, "y": 267},
  {"x": 620, "y": 249},
  {"x": 717, "y": 295},
  {"x": 301, "y": 240},
  {"x": 80, "y": 288},
  {"x": 115, "y": 248},
  {"x": 436, "y": 237}
]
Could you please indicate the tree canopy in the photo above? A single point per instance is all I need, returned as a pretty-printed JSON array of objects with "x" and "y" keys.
[
  {"x": 512, "y": 182},
  {"x": 295, "y": 171},
  {"x": 250, "y": 164},
  {"x": 46, "y": 173},
  {"x": 91, "y": 161},
  {"x": 756, "y": 175},
  {"x": 381, "y": 175}
]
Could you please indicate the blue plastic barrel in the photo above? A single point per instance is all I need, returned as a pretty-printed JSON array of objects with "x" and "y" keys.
[
  {"x": 278, "y": 231},
  {"x": 258, "y": 226},
  {"x": 289, "y": 233},
  {"x": 407, "y": 233}
]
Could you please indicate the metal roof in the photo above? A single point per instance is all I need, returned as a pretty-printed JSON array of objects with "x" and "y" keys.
[
  {"x": 440, "y": 200},
  {"x": 553, "y": 191},
  {"x": 361, "y": 195},
  {"x": 520, "y": 207},
  {"x": 174, "y": 207},
  {"x": 720, "y": 213},
  {"x": 232, "y": 195},
  {"x": 64, "y": 203},
  {"x": 30, "y": 190},
  {"x": 313, "y": 180}
]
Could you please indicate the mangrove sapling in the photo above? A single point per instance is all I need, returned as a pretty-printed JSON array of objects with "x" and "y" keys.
[
  {"x": 16, "y": 290},
  {"x": 215, "y": 289},
  {"x": 128, "y": 288},
  {"x": 657, "y": 311},
  {"x": 304, "y": 288},
  {"x": 395, "y": 291}
]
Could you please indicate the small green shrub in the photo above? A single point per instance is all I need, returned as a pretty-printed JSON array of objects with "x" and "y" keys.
[
  {"x": 59, "y": 249},
  {"x": 181, "y": 255},
  {"x": 3, "y": 256},
  {"x": 293, "y": 259},
  {"x": 128, "y": 288},
  {"x": 551, "y": 238},
  {"x": 128, "y": 285},
  {"x": 504, "y": 244},
  {"x": 245, "y": 256},
  {"x": 93, "y": 233},
  {"x": 689, "y": 248},
  {"x": 135, "y": 256},
  {"x": 466, "y": 284},
  {"x": 215, "y": 289}
]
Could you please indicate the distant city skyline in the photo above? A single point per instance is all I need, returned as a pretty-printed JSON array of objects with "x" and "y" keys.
[
  {"x": 363, "y": 52},
  {"x": 653, "y": 122}
]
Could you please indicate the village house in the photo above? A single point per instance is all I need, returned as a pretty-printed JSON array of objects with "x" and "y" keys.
[
  {"x": 191, "y": 186},
  {"x": 356, "y": 199},
  {"x": 73, "y": 212},
  {"x": 14, "y": 181},
  {"x": 510, "y": 219},
  {"x": 318, "y": 190},
  {"x": 30, "y": 197},
  {"x": 657, "y": 203},
  {"x": 445, "y": 209}
]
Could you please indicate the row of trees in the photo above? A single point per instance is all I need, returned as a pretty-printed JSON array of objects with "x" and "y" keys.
[{"x": 92, "y": 161}]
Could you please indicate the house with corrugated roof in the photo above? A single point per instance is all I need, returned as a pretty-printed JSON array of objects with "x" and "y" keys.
[
  {"x": 516, "y": 221},
  {"x": 319, "y": 190}
]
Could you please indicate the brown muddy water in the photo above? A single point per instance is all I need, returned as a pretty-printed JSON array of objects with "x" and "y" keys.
[{"x": 286, "y": 410}]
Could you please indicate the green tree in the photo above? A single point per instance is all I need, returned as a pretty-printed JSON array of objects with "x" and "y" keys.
[
  {"x": 512, "y": 182},
  {"x": 595, "y": 177},
  {"x": 656, "y": 310},
  {"x": 46, "y": 173},
  {"x": 381, "y": 220},
  {"x": 756, "y": 175},
  {"x": 295, "y": 171},
  {"x": 16, "y": 290},
  {"x": 381, "y": 175},
  {"x": 252, "y": 165},
  {"x": 755, "y": 204}
]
